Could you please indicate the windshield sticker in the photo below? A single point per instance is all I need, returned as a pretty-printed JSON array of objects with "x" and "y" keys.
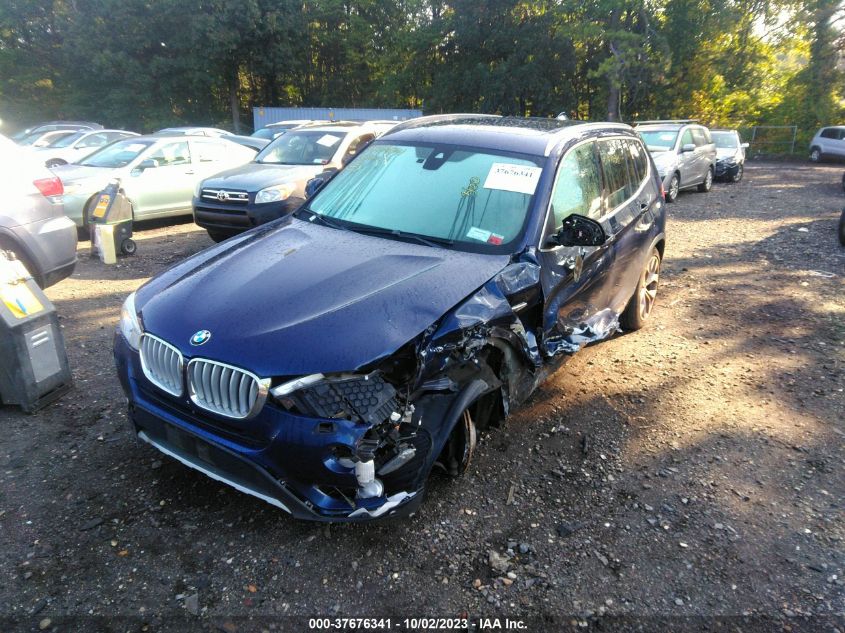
[
  {"x": 328, "y": 140},
  {"x": 516, "y": 178},
  {"x": 495, "y": 239},
  {"x": 478, "y": 234},
  {"x": 667, "y": 137}
]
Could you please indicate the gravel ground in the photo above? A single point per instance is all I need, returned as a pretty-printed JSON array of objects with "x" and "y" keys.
[{"x": 661, "y": 479}]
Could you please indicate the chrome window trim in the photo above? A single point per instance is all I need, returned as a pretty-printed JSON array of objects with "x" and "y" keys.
[
  {"x": 262, "y": 383},
  {"x": 148, "y": 374}
]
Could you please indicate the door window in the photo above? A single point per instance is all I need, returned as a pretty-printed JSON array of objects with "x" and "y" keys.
[
  {"x": 698, "y": 137},
  {"x": 116, "y": 136},
  {"x": 171, "y": 154},
  {"x": 686, "y": 139},
  {"x": 93, "y": 140},
  {"x": 210, "y": 152},
  {"x": 614, "y": 160},
  {"x": 356, "y": 146},
  {"x": 577, "y": 188},
  {"x": 639, "y": 161},
  {"x": 830, "y": 133}
]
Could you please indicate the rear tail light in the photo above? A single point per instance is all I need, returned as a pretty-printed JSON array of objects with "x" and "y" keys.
[{"x": 49, "y": 186}]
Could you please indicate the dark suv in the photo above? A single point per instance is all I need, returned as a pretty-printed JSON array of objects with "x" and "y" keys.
[
  {"x": 273, "y": 184},
  {"x": 327, "y": 361}
]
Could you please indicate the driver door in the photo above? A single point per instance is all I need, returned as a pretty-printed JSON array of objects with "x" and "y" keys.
[
  {"x": 167, "y": 188},
  {"x": 575, "y": 279}
]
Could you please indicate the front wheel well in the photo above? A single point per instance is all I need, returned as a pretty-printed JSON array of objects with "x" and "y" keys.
[{"x": 9, "y": 243}]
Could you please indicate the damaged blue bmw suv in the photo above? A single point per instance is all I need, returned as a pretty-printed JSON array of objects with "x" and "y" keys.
[{"x": 328, "y": 361}]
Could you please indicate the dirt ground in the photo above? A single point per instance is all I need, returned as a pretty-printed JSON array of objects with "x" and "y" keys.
[{"x": 661, "y": 480}]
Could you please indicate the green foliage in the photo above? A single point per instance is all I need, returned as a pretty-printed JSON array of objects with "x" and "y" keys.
[{"x": 144, "y": 65}]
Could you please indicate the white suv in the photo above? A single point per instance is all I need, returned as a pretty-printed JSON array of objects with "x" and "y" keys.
[{"x": 827, "y": 143}]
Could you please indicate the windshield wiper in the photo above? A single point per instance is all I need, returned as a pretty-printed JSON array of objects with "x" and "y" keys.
[
  {"x": 314, "y": 216},
  {"x": 428, "y": 241}
]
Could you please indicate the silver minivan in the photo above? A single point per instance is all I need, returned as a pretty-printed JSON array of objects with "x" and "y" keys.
[
  {"x": 683, "y": 152},
  {"x": 829, "y": 142}
]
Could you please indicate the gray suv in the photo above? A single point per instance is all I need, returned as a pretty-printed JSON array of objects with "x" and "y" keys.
[
  {"x": 683, "y": 152},
  {"x": 33, "y": 224}
]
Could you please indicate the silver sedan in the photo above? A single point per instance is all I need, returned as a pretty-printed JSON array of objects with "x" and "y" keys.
[{"x": 157, "y": 173}]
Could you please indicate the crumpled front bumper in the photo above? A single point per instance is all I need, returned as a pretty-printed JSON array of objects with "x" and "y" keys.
[
  {"x": 290, "y": 464},
  {"x": 726, "y": 169}
]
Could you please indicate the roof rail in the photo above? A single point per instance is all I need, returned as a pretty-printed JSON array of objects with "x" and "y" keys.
[
  {"x": 666, "y": 121},
  {"x": 437, "y": 118}
]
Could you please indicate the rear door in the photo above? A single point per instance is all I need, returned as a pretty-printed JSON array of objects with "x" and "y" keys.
[
  {"x": 826, "y": 140},
  {"x": 688, "y": 160},
  {"x": 167, "y": 188},
  {"x": 629, "y": 221},
  {"x": 575, "y": 280},
  {"x": 705, "y": 151},
  {"x": 838, "y": 142}
]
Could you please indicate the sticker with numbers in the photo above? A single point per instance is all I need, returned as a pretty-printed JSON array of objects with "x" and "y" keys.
[{"x": 510, "y": 177}]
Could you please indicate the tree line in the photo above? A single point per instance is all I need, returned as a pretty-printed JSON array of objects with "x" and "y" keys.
[{"x": 144, "y": 64}]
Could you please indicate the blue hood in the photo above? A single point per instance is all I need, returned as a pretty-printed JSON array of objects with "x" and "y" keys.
[{"x": 303, "y": 298}]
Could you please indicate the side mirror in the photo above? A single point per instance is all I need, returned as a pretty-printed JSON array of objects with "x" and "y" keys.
[
  {"x": 318, "y": 182},
  {"x": 689, "y": 147},
  {"x": 745, "y": 145},
  {"x": 147, "y": 163},
  {"x": 578, "y": 230}
]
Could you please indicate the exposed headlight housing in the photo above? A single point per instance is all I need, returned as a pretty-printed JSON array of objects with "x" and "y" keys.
[
  {"x": 276, "y": 193},
  {"x": 130, "y": 326}
]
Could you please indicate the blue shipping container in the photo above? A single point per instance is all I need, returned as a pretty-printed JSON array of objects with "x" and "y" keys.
[{"x": 262, "y": 116}]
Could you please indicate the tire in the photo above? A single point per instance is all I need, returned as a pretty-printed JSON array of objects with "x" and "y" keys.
[
  {"x": 219, "y": 236},
  {"x": 84, "y": 232},
  {"x": 55, "y": 162},
  {"x": 815, "y": 155},
  {"x": 128, "y": 247},
  {"x": 707, "y": 185},
  {"x": 843, "y": 182},
  {"x": 457, "y": 454},
  {"x": 842, "y": 228},
  {"x": 8, "y": 245},
  {"x": 738, "y": 175},
  {"x": 674, "y": 188},
  {"x": 641, "y": 304}
]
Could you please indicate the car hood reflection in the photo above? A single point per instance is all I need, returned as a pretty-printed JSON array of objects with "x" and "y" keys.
[{"x": 304, "y": 298}]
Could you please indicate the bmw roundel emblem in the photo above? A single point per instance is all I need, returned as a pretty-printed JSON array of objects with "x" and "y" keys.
[{"x": 201, "y": 337}]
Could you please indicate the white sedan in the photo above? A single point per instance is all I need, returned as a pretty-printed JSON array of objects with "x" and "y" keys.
[{"x": 75, "y": 147}]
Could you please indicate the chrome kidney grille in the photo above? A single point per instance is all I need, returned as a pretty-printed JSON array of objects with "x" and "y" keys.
[
  {"x": 224, "y": 389},
  {"x": 162, "y": 364}
]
